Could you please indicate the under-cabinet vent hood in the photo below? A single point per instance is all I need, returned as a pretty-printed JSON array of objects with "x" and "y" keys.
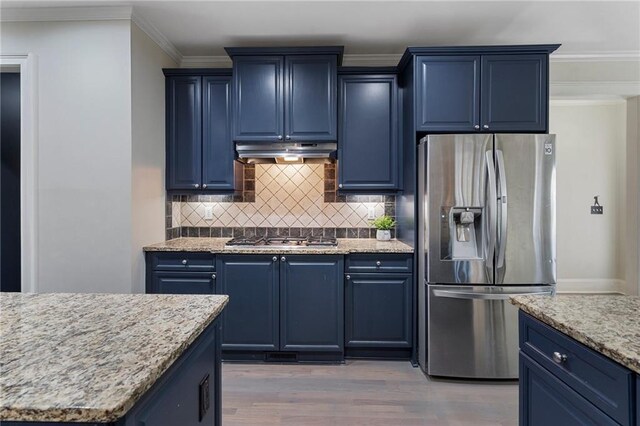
[{"x": 287, "y": 152}]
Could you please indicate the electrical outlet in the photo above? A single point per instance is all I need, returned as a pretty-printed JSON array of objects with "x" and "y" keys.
[
  {"x": 371, "y": 212},
  {"x": 596, "y": 210},
  {"x": 208, "y": 212}
]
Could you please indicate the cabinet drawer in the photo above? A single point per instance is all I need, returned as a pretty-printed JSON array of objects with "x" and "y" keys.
[
  {"x": 183, "y": 261},
  {"x": 601, "y": 381},
  {"x": 379, "y": 263}
]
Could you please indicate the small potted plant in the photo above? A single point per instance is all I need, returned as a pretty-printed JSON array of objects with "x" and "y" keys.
[{"x": 384, "y": 225}]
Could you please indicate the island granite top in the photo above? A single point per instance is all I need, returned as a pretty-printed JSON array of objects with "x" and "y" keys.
[
  {"x": 90, "y": 357},
  {"x": 608, "y": 324},
  {"x": 345, "y": 246}
]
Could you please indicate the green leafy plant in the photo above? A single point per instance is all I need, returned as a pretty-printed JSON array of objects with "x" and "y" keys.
[{"x": 384, "y": 223}]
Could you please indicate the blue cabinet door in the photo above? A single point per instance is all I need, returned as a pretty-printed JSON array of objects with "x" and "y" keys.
[
  {"x": 251, "y": 319},
  {"x": 312, "y": 303},
  {"x": 368, "y": 148},
  {"x": 258, "y": 103},
  {"x": 378, "y": 310},
  {"x": 514, "y": 93},
  {"x": 218, "y": 155},
  {"x": 183, "y": 283},
  {"x": 545, "y": 400},
  {"x": 310, "y": 101},
  {"x": 184, "y": 132},
  {"x": 448, "y": 93}
]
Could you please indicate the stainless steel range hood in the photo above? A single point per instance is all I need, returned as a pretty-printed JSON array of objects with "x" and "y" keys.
[{"x": 286, "y": 152}]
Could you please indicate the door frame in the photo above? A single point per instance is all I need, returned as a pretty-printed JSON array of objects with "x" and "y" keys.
[{"x": 26, "y": 66}]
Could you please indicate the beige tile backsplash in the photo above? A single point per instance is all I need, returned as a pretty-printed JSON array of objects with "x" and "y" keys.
[{"x": 286, "y": 196}]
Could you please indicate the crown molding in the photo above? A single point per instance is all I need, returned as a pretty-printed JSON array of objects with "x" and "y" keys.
[
  {"x": 370, "y": 60},
  {"x": 622, "y": 56},
  {"x": 155, "y": 35},
  {"x": 43, "y": 14}
]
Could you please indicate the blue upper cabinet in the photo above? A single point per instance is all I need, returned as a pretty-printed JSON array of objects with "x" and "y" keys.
[
  {"x": 480, "y": 88},
  {"x": 184, "y": 132},
  {"x": 258, "y": 108},
  {"x": 310, "y": 98},
  {"x": 200, "y": 152},
  {"x": 217, "y": 147},
  {"x": 514, "y": 93},
  {"x": 368, "y": 148},
  {"x": 285, "y": 94},
  {"x": 449, "y": 88}
]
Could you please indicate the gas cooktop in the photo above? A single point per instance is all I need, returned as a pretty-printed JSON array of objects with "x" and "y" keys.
[{"x": 279, "y": 242}]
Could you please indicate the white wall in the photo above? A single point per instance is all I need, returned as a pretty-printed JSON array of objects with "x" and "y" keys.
[
  {"x": 84, "y": 127},
  {"x": 591, "y": 149},
  {"x": 148, "y": 150},
  {"x": 632, "y": 208}
]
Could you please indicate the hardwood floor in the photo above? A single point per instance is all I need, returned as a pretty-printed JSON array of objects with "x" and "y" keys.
[{"x": 360, "y": 393}]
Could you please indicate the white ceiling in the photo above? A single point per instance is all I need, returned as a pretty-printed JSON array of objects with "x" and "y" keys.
[{"x": 386, "y": 27}]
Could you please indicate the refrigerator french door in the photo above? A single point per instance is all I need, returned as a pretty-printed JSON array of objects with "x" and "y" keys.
[{"x": 487, "y": 231}]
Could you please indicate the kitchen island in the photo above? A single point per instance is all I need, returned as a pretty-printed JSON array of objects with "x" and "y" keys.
[
  {"x": 579, "y": 359},
  {"x": 115, "y": 359}
]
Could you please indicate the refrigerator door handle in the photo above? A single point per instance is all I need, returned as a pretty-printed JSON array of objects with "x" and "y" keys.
[
  {"x": 502, "y": 179},
  {"x": 492, "y": 204},
  {"x": 468, "y": 295}
]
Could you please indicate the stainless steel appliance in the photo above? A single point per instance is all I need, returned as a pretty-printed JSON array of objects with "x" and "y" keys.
[
  {"x": 486, "y": 214},
  {"x": 281, "y": 242}
]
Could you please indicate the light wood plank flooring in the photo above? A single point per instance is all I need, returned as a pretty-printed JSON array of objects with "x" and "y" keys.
[{"x": 360, "y": 393}]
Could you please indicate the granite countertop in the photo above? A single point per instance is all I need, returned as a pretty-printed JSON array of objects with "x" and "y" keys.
[
  {"x": 609, "y": 324},
  {"x": 90, "y": 357},
  {"x": 345, "y": 246}
]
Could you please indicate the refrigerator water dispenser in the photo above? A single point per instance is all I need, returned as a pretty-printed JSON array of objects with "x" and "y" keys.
[{"x": 461, "y": 233}]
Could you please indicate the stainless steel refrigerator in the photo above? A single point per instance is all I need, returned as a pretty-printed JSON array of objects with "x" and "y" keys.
[{"x": 486, "y": 230}]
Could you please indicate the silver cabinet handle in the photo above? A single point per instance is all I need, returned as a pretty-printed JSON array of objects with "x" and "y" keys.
[
  {"x": 477, "y": 126},
  {"x": 486, "y": 126},
  {"x": 559, "y": 358},
  {"x": 279, "y": 137},
  {"x": 284, "y": 259},
  {"x": 204, "y": 185},
  {"x": 287, "y": 137},
  {"x": 378, "y": 263},
  {"x": 340, "y": 185},
  {"x": 348, "y": 277},
  {"x": 275, "y": 258},
  {"x": 196, "y": 185},
  {"x": 213, "y": 276},
  {"x": 184, "y": 261}
]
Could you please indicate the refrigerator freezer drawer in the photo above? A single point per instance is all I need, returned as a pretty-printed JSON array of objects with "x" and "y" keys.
[{"x": 473, "y": 331}]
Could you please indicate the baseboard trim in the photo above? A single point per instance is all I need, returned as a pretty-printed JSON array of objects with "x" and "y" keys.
[{"x": 591, "y": 286}]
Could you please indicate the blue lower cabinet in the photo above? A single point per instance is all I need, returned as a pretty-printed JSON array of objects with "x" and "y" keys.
[
  {"x": 251, "y": 320},
  {"x": 547, "y": 401},
  {"x": 183, "y": 283},
  {"x": 378, "y": 310},
  {"x": 312, "y": 303}
]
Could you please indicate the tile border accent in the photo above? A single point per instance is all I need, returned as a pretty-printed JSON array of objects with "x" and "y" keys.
[{"x": 229, "y": 232}]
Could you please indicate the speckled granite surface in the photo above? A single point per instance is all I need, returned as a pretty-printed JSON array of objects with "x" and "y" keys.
[
  {"x": 609, "y": 324},
  {"x": 345, "y": 246},
  {"x": 90, "y": 357}
]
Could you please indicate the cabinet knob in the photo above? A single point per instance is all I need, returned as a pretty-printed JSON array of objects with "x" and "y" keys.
[
  {"x": 348, "y": 277},
  {"x": 477, "y": 126},
  {"x": 287, "y": 137},
  {"x": 275, "y": 258},
  {"x": 204, "y": 185},
  {"x": 184, "y": 261},
  {"x": 279, "y": 137},
  {"x": 339, "y": 185},
  {"x": 213, "y": 276},
  {"x": 378, "y": 263},
  {"x": 559, "y": 358},
  {"x": 196, "y": 185},
  {"x": 486, "y": 126},
  {"x": 284, "y": 259}
]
